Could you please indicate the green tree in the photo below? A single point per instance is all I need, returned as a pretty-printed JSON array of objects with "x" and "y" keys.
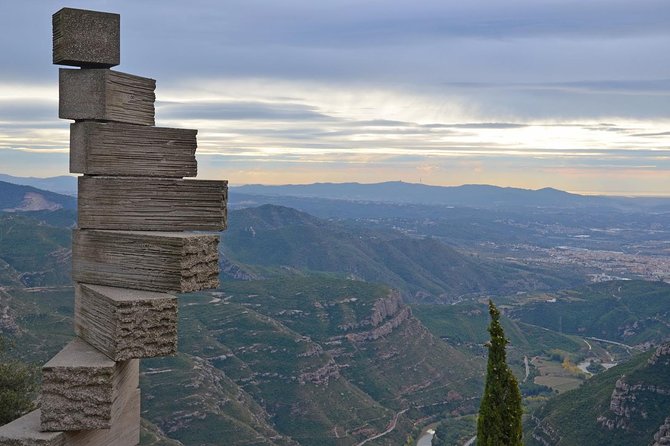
[
  {"x": 17, "y": 385},
  {"x": 499, "y": 422}
]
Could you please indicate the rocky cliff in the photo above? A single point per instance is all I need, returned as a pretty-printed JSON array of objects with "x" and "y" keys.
[{"x": 623, "y": 406}]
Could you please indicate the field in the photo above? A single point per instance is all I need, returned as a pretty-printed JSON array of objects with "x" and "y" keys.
[{"x": 553, "y": 374}]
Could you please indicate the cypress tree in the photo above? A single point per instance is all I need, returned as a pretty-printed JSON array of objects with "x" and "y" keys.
[{"x": 499, "y": 422}]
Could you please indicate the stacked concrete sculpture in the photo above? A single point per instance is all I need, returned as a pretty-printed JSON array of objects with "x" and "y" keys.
[{"x": 128, "y": 251}]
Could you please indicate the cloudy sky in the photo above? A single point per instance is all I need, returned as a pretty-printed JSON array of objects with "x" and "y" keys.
[{"x": 527, "y": 93}]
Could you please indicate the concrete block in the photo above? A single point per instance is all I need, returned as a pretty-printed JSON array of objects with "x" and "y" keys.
[
  {"x": 152, "y": 261},
  {"x": 25, "y": 431},
  {"x": 80, "y": 385},
  {"x": 125, "y": 324},
  {"x": 151, "y": 204},
  {"x": 125, "y": 429},
  {"x": 108, "y": 148},
  {"x": 106, "y": 95},
  {"x": 83, "y": 38}
]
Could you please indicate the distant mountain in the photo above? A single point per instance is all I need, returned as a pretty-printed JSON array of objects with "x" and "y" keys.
[
  {"x": 275, "y": 240},
  {"x": 16, "y": 198},
  {"x": 271, "y": 241},
  {"x": 474, "y": 195},
  {"x": 470, "y": 195},
  {"x": 64, "y": 184},
  {"x": 626, "y": 405}
]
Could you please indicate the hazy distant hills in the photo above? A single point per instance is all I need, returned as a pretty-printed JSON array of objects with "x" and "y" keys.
[
  {"x": 19, "y": 198},
  {"x": 271, "y": 240},
  {"x": 311, "y": 196},
  {"x": 474, "y": 195},
  {"x": 398, "y": 192},
  {"x": 65, "y": 184}
]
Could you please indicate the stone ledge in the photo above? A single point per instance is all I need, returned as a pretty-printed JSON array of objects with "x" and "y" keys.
[
  {"x": 83, "y": 38},
  {"x": 151, "y": 204},
  {"x": 80, "y": 386},
  {"x": 106, "y": 95},
  {"x": 125, "y": 324},
  {"x": 25, "y": 431},
  {"x": 151, "y": 261},
  {"x": 110, "y": 148}
]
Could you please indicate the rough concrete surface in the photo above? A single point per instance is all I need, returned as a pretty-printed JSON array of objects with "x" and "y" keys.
[
  {"x": 85, "y": 38},
  {"x": 126, "y": 324},
  {"x": 25, "y": 431},
  {"x": 106, "y": 95},
  {"x": 152, "y": 261},
  {"x": 151, "y": 204},
  {"x": 109, "y": 148},
  {"x": 79, "y": 386}
]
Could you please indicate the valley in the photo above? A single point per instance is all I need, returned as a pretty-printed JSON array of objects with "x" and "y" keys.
[{"x": 367, "y": 321}]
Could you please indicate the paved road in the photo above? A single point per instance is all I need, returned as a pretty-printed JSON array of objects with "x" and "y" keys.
[
  {"x": 627, "y": 347},
  {"x": 390, "y": 429},
  {"x": 525, "y": 362}
]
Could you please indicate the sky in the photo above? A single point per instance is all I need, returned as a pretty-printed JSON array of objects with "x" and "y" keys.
[{"x": 524, "y": 93}]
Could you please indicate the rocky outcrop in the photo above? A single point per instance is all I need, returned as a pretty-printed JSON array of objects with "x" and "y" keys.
[
  {"x": 382, "y": 330},
  {"x": 386, "y": 315},
  {"x": 661, "y": 355},
  {"x": 544, "y": 433},
  {"x": 623, "y": 403},
  {"x": 322, "y": 375},
  {"x": 662, "y": 436},
  {"x": 385, "y": 308},
  {"x": 235, "y": 271}
]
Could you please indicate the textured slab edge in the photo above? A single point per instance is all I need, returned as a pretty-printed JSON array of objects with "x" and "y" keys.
[
  {"x": 125, "y": 430},
  {"x": 106, "y": 95},
  {"x": 85, "y": 38},
  {"x": 79, "y": 354},
  {"x": 82, "y": 395},
  {"x": 151, "y": 204},
  {"x": 126, "y": 324},
  {"x": 25, "y": 431},
  {"x": 109, "y": 148},
  {"x": 151, "y": 261}
]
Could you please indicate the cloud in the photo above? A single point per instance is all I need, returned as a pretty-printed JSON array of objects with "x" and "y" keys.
[
  {"x": 240, "y": 111},
  {"x": 475, "y": 91}
]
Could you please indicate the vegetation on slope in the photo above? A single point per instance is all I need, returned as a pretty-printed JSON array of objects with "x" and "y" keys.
[
  {"x": 311, "y": 360},
  {"x": 17, "y": 386},
  {"x": 631, "y": 312},
  {"x": 622, "y": 406},
  {"x": 271, "y": 240},
  {"x": 32, "y": 252}
]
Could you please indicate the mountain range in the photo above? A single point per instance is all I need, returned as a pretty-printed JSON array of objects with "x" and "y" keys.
[
  {"x": 274, "y": 240},
  {"x": 469, "y": 195},
  {"x": 64, "y": 184},
  {"x": 316, "y": 330},
  {"x": 18, "y": 198},
  {"x": 399, "y": 192}
]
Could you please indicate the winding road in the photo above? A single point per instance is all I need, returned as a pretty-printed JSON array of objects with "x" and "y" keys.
[{"x": 390, "y": 429}]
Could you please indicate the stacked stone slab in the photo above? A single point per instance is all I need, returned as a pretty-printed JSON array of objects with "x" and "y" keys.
[{"x": 129, "y": 251}]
